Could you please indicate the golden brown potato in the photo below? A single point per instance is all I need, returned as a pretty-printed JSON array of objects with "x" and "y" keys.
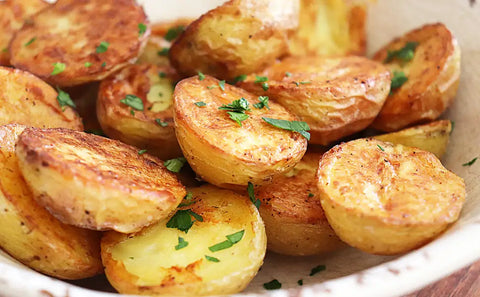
[
  {"x": 27, "y": 100},
  {"x": 433, "y": 74},
  {"x": 335, "y": 96},
  {"x": 80, "y": 41},
  {"x": 294, "y": 219},
  {"x": 95, "y": 182},
  {"x": 167, "y": 261},
  {"x": 432, "y": 137},
  {"x": 226, "y": 153},
  {"x": 330, "y": 27},
  {"x": 33, "y": 236},
  {"x": 239, "y": 37},
  {"x": 387, "y": 199},
  {"x": 149, "y": 127},
  {"x": 13, "y": 14},
  {"x": 160, "y": 40}
]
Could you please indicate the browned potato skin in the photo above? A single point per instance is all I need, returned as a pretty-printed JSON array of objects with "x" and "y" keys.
[
  {"x": 239, "y": 37},
  {"x": 387, "y": 199},
  {"x": 294, "y": 219},
  {"x": 347, "y": 35},
  {"x": 432, "y": 137},
  {"x": 433, "y": 77},
  {"x": 88, "y": 23},
  {"x": 140, "y": 129},
  {"x": 218, "y": 149},
  {"x": 32, "y": 235},
  {"x": 92, "y": 182},
  {"x": 340, "y": 96},
  {"x": 28, "y": 100},
  {"x": 13, "y": 14}
]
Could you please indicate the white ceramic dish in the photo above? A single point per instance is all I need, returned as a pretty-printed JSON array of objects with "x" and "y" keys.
[{"x": 349, "y": 272}]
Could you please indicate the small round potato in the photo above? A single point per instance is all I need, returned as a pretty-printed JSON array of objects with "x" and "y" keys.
[
  {"x": 220, "y": 150},
  {"x": 163, "y": 260},
  {"x": 32, "y": 235},
  {"x": 150, "y": 127},
  {"x": 387, "y": 199},
  {"x": 25, "y": 99},
  {"x": 294, "y": 219},
  {"x": 433, "y": 75},
  {"x": 94, "y": 182},
  {"x": 239, "y": 37},
  {"x": 335, "y": 96},
  {"x": 80, "y": 41},
  {"x": 13, "y": 14}
]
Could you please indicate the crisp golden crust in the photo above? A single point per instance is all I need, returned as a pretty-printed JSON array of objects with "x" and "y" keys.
[
  {"x": 147, "y": 263},
  {"x": 221, "y": 151},
  {"x": 154, "y": 86},
  {"x": 92, "y": 182},
  {"x": 70, "y": 31},
  {"x": 294, "y": 219},
  {"x": 433, "y": 77},
  {"x": 387, "y": 199},
  {"x": 13, "y": 14},
  {"x": 432, "y": 137},
  {"x": 335, "y": 96},
  {"x": 32, "y": 235},
  {"x": 27, "y": 100},
  {"x": 239, "y": 37}
]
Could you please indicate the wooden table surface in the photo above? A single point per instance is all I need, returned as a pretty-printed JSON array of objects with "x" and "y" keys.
[{"x": 464, "y": 283}]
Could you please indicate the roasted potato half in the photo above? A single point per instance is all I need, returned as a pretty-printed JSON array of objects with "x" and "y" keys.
[
  {"x": 32, "y": 235},
  {"x": 148, "y": 126},
  {"x": 239, "y": 37},
  {"x": 163, "y": 260},
  {"x": 26, "y": 99},
  {"x": 432, "y": 137},
  {"x": 95, "y": 182},
  {"x": 386, "y": 198},
  {"x": 294, "y": 219},
  {"x": 330, "y": 27},
  {"x": 80, "y": 41},
  {"x": 226, "y": 153},
  {"x": 428, "y": 59},
  {"x": 335, "y": 96},
  {"x": 13, "y": 14}
]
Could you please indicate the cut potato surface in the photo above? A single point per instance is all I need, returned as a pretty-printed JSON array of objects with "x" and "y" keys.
[
  {"x": 26, "y": 99},
  {"x": 294, "y": 219},
  {"x": 94, "y": 182},
  {"x": 239, "y": 37},
  {"x": 387, "y": 199},
  {"x": 13, "y": 14},
  {"x": 433, "y": 75},
  {"x": 432, "y": 137},
  {"x": 335, "y": 96},
  {"x": 221, "y": 151},
  {"x": 32, "y": 235},
  {"x": 166, "y": 261},
  {"x": 149, "y": 127},
  {"x": 80, "y": 41}
]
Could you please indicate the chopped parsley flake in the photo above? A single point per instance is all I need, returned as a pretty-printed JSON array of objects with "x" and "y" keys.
[
  {"x": 239, "y": 78},
  {"x": 173, "y": 33},
  {"x": 265, "y": 86},
  {"x": 142, "y": 28},
  {"x": 398, "y": 80},
  {"x": 302, "y": 83},
  {"x": 133, "y": 101},
  {"x": 231, "y": 240},
  {"x": 103, "y": 47},
  {"x": 300, "y": 282},
  {"x": 188, "y": 200},
  {"x": 161, "y": 123},
  {"x": 470, "y": 163},
  {"x": 30, "y": 41},
  {"x": 104, "y": 64},
  {"x": 311, "y": 195},
  {"x": 58, "y": 68},
  {"x": 317, "y": 269},
  {"x": 260, "y": 79},
  {"x": 141, "y": 152},
  {"x": 200, "y": 104},
  {"x": 221, "y": 84},
  {"x": 162, "y": 74},
  {"x": 182, "y": 220},
  {"x": 295, "y": 126},
  {"x": 272, "y": 285},
  {"x": 404, "y": 54},
  {"x": 181, "y": 243},
  {"x": 64, "y": 99},
  {"x": 163, "y": 52},
  {"x": 238, "y": 117},
  {"x": 251, "y": 194},
  {"x": 201, "y": 76},
  {"x": 453, "y": 127},
  {"x": 381, "y": 148},
  {"x": 212, "y": 87},
  {"x": 236, "y": 110},
  {"x": 212, "y": 259},
  {"x": 97, "y": 132},
  {"x": 87, "y": 64},
  {"x": 175, "y": 165},
  {"x": 288, "y": 74},
  {"x": 263, "y": 102}
]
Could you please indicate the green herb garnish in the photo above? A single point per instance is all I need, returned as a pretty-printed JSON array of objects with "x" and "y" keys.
[
  {"x": 295, "y": 126},
  {"x": 161, "y": 123},
  {"x": 265, "y": 86},
  {"x": 64, "y": 99},
  {"x": 300, "y": 282},
  {"x": 182, "y": 220},
  {"x": 181, "y": 243},
  {"x": 200, "y": 104},
  {"x": 398, "y": 80},
  {"x": 30, "y": 41},
  {"x": 58, "y": 68},
  {"x": 188, "y": 200},
  {"x": 263, "y": 102},
  {"x": 310, "y": 195},
  {"x": 221, "y": 84},
  {"x": 87, "y": 64},
  {"x": 162, "y": 74},
  {"x": 173, "y": 33},
  {"x": 104, "y": 64},
  {"x": 241, "y": 105},
  {"x": 404, "y": 54},
  {"x": 471, "y": 162},
  {"x": 317, "y": 269},
  {"x": 163, "y": 52},
  {"x": 97, "y": 132},
  {"x": 231, "y": 240},
  {"x": 175, "y": 165},
  {"x": 260, "y": 79},
  {"x": 201, "y": 76},
  {"x": 381, "y": 148},
  {"x": 239, "y": 78},
  {"x": 288, "y": 74},
  {"x": 103, "y": 47},
  {"x": 272, "y": 285},
  {"x": 238, "y": 117},
  {"x": 212, "y": 259},
  {"x": 141, "y": 152},
  {"x": 133, "y": 101},
  {"x": 142, "y": 28},
  {"x": 251, "y": 194}
]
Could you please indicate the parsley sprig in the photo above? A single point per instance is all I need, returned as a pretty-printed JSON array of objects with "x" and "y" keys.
[
  {"x": 251, "y": 194},
  {"x": 398, "y": 80},
  {"x": 133, "y": 101},
  {"x": 182, "y": 220},
  {"x": 231, "y": 240},
  {"x": 174, "y": 32},
  {"x": 295, "y": 126},
  {"x": 175, "y": 165},
  {"x": 64, "y": 99},
  {"x": 263, "y": 102},
  {"x": 236, "y": 110},
  {"x": 404, "y": 54}
]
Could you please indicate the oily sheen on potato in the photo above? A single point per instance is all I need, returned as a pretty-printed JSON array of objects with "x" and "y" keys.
[
  {"x": 335, "y": 96},
  {"x": 80, "y": 41},
  {"x": 95, "y": 182},
  {"x": 219, "y": 253},
  {"x": 32, "y": 235},
  {"x": 147, "y": 122},
  {"x": 239, "y": 37},
  {"x": 294, "y": 219},
  {"x": 220, "y": 150},
  {"x": 26, "y": 99},
  {"x": 432, "y": 71},
  {"x": 387, "y": 199}
]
